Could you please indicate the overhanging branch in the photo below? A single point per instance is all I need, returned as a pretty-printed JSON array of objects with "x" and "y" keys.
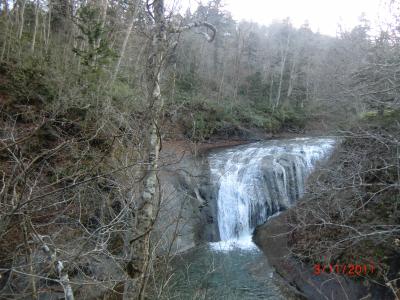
[{"x": 189, "y": 26}]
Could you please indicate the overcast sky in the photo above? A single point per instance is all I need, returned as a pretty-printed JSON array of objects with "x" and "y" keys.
[{"x": 322, "y": 15}]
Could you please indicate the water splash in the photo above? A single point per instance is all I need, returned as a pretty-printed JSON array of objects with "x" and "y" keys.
[{"x": 244, "y": 242}]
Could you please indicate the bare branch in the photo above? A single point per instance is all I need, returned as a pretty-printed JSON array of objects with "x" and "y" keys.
[{"x": 189, "y": 26}]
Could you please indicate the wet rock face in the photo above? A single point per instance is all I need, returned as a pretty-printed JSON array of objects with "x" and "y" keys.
[
  {"x": 207, "y": 227},
  {"x": 188, "y": 211},
  {"x": 296, "y": 170}
]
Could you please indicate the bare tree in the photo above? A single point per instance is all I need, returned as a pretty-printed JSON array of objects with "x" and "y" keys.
[{"x": 149, "y": 200}]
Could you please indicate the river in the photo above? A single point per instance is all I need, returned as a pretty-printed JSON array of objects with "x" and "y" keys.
[{"x": 254, "y": 182}]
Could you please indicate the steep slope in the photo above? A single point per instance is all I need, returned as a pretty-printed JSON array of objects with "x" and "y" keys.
[{"x": 350, "y": 214}]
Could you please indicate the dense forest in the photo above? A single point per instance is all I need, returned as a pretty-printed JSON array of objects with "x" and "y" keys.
[{"x": 90, "y": 91}]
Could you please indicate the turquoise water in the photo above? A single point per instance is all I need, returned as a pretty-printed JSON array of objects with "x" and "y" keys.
[{"x": 207, "y": 273}]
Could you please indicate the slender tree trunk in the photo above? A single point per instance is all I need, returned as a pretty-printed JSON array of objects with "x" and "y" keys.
[
  {"x": 42, "y": 36},
  {"x": 125, "y": 43},
  {"x": 3, "y": 49},
  {"x": 307, "y": 87},
  {"x": 216, "y": 58},
  {"x": 137, "y": 62},
  {"x": 36, "y": 27},
  {"x": 93, "y": 46},
  {"x": 238, "y": 58},
  {"x": 7, "y": 23},
  {"x": 173, "y": 81},
  {"x": 21, "y": 20},
  {"x": 291, "y": 79},
  {"x": 103, "y": 16},
  {"x": 29, "y": 259},
  {"x": 221, "y": 85},
  {"x": 148, "y": 202},
  {"x": 271, "y": 89},
  {"x": 5, "y": 8},
  {"x": 278, "y": 97},
  {"x": 284, "y": 53},
  {"x": 15, "y": 13},
  {"x": 8, "y": 37},
  {"x": 47, "y": 38}
]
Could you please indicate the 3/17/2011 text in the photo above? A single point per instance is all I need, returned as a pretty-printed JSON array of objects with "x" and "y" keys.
[{"x": 344, "y": 269}]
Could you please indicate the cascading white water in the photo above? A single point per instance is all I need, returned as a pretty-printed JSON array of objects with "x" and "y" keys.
[{"x": 258, "y": 180}]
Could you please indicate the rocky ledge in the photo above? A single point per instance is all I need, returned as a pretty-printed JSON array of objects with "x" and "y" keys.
[{"x": 298, "y": 279}]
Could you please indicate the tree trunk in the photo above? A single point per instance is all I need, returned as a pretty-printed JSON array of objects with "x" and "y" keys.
[
  {"x": 291, "y": 79},
  {"x": 307, "y": 86},
  {"x": 148, "y": 202},
  {"x": 238, "y": 58},
  {"x": 21, "y": 20},
  {"x": 95, "y": 45},
  {"x": 216, "y": 58},
  {"x": 36, "y": 26},
  {"x": 5, "y": 8},
  {"x": 271, "y": 89},
  {"x": 47, "y": 38},
  {"x": 125, "y": 43},
  {"x": 283, "y": 64},
  {"x": 221, "y": 83},
  {"x": 6, "y": 32}
]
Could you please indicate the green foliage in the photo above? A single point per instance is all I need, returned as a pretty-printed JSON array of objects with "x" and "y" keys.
[
  {"x": 125, "y": 97},
  {"x": 189, "y": 81},
  {"x": 249, "y": 116},
  {"x": 98, "y": 53},
  {"x": 204, "y": 118},
  {"x": 202, "y": 121},
  {"x": 203, "y": 126},
  {"x": 390, "y": 118},
  {"x": 291, "y": 118},
  {"x": 254, "y": 89},
  {"x": 28, "y": 82}
]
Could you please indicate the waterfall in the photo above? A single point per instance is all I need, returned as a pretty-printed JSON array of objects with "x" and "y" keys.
[{"x": 258, "y": 180}]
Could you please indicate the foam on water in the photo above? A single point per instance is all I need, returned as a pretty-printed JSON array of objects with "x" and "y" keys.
[{"x": 243, "y": 243}]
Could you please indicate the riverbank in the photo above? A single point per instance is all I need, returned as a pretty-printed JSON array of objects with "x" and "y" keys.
[
  {"x": 178, "y": 145},
  {"x": 298, "y": 278},
  {"x": 342, "y": 218}
]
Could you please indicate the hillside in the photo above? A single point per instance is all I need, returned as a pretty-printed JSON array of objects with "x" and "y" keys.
[{"x": 349, "y": 215}]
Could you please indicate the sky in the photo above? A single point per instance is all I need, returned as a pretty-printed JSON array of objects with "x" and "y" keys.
[{"x": 322, "y": 15}]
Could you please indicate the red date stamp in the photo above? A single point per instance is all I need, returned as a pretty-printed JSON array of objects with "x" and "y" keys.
[{"x": 344, "y": 269}]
